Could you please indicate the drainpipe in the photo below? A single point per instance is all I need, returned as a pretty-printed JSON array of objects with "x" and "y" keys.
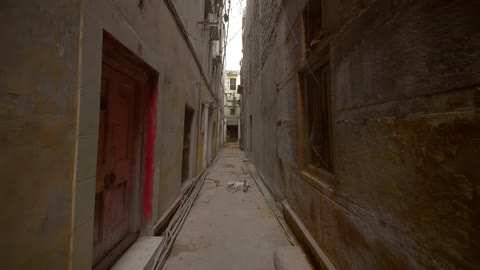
[
  {"x": 222, "y": 131},
  {"x": 206, "y": 111},
  {"x": 239, "y": 131}
]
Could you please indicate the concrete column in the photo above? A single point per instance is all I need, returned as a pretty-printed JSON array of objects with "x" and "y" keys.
[
  {"x": 222, "y": 137},
  {"x": 205, "y": 133},
  {"x": 225, "y": 129},
  {"x": 205, "y": 136}
]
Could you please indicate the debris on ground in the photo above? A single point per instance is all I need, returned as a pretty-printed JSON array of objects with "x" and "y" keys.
[{"x": 236, "y": 186}]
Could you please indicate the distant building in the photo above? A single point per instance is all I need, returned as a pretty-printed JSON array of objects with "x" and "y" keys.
[{"x": 232, "y": 106}]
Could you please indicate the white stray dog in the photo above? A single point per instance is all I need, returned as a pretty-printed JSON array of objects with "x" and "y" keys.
[{"x": 236, "y": 186}]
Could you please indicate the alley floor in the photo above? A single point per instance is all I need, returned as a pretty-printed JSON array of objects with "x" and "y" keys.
[{"x": 226, "y": 230}]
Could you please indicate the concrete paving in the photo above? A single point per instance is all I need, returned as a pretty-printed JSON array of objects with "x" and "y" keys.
[{"x": 227, "y": 230}]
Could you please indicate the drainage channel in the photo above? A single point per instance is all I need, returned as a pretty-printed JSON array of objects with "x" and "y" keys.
[{"x": 178, "y": 220}]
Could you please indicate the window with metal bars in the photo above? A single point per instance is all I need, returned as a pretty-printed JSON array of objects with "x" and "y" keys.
[
  {"x": 312, "y": 23},
  {"x": 317, "y": 117},
  {"x": 233, "y": 83}
]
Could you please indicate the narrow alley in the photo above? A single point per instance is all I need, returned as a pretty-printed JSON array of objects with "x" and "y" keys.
[
  {"x": 240, "y": 134},
  {"x": 228, "y": 230}
]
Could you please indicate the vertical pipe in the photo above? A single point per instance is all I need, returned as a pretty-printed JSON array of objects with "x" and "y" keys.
[
  {"x": 205, "y": 134},
  {"x": 239, "y": 131}
]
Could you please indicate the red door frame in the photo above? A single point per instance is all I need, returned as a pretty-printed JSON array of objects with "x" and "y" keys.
[{"x": 122, "y": 59}]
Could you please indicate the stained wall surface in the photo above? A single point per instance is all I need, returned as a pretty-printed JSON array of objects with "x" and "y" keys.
[
  {"x": 50, "y": 84},
  {"x": 405, "y": 80},
  {"x": 38, "y": 128},
  {"x": 153, "y": 34}
]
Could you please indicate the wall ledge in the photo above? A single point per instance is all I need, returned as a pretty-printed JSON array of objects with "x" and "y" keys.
[{"x": 317, "y": 257}]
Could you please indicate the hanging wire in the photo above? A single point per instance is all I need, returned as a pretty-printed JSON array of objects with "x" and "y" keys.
[
  {"x": 190, "y": 35},
  {"x": 211, "y": 33},
  {"x": 296, "y": 43},
  {"x": 289, "y": 26},
  {"x": 231, "y": 38},
  {"x": 226, "y": 36},
  {"x": 311, "y": 73}
]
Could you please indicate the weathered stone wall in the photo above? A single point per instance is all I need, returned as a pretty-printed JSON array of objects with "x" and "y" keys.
[
  {"x": 50, "y": 85},
  {"x": 152, "y": 33},
  {"x": 38, "y": 128},
  {"x": 405, "y": 92},
  {"x": 261, "y": 34}
]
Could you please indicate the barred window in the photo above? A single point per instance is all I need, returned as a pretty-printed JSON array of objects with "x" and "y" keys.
[
  {"x": 317, "y": 115},
  {"x": 312, "y": 22},
  {"x": 233, "y": 83}
]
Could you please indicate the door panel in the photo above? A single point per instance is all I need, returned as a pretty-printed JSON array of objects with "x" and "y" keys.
[
  {"x": 115, "y": 161},
  {"x": 117, "y": 211}
]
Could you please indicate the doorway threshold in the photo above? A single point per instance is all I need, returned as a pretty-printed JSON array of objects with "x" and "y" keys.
[{"x": 141, "y": 255}]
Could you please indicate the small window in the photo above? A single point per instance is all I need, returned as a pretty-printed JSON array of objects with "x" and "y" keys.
[
  {"x": 207, "y": 9},
  {"x": 233, "y": 83},
  {"x": 317, "y": 115},
  {"x": 312, "y": 23},
  {"x": 232, "y": 111}
]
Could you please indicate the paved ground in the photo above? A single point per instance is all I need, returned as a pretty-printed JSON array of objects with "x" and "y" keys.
[{"x": 227, "y": 230}]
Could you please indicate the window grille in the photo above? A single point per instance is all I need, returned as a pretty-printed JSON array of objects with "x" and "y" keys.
[
  {"x": 233, "y": 83},
  {"x": 317, "y": 105},
  {"x": 312, "y": 22}
]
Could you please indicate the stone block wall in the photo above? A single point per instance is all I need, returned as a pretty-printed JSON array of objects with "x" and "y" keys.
[{"x": 405, "y": 82}]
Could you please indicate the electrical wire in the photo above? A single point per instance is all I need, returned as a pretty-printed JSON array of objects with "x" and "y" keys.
[
  {"x": 284, "y": 230},
  {"x": 311, "y": 72},
  {"x": 289, "y": 26},
  {"x": 226, "y": 36},
  {"x": 296, "y": 43},
  {"x": 231, "y": 39},
  {"x": 188, "y": 33}
]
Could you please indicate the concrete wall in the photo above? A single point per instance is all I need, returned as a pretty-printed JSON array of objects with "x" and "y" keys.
[
  {"x": 152, "y": 33},
  {"x": 38, "y": 123},
  {"x": 405, "y": 93},
  {"x": 260, "y": 94},
  {"x": 50, "y": 99}
]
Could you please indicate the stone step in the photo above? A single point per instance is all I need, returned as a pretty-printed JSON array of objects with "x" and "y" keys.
[
  {"x": 141, "y": 255},
  {"x": 290, "y": 258}
]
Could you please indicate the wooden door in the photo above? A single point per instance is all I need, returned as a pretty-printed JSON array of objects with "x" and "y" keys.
[{"x": 115, "y": 164}]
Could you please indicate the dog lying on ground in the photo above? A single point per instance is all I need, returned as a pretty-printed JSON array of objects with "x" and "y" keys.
[{"x": 236, "y": 186}]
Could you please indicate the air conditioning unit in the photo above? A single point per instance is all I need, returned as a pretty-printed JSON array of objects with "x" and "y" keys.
[
  {"x": 216, "y": 51},
  {"x": 219, "y": 58},
  {"x": 239, "y": 90},
  {"x": 214, "y": 27},
  {"x": 211, "y": 17},
  {"x": 216, "y": 48}
]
